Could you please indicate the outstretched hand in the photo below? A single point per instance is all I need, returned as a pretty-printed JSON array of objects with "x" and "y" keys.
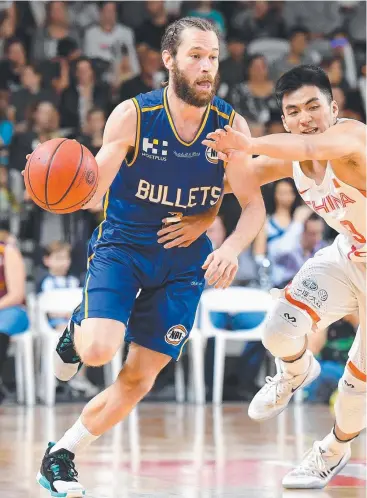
[
  {"x": 221, "y": 267},
  {"x": 224, "y": 142}
]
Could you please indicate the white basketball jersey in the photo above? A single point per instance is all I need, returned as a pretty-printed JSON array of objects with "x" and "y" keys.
[{"x": 343, "y": 208}]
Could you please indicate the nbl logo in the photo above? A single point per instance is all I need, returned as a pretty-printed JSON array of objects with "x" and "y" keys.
[
  {"x": 175, "y": 335},
  {"x": 211, "y": 155}
]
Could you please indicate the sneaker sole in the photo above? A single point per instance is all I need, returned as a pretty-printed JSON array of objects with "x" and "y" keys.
[
  {"x": 275, "y": 413},
  {"x": 46, "y": 485},
  {"x": 316, "y": 484}
]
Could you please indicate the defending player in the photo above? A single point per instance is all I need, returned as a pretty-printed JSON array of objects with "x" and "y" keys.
[
  {"x": 327, "y": 158},
  {"x": 152, "y": 165}
]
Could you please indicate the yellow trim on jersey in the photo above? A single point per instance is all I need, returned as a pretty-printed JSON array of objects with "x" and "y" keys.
[
  {"x": 179, "y": 356},
  {"x": 137, "y": 134},
  {"x": 86, "y": 300},
  {"x": 213, "y": 108},
  {"x": 155, "y": 108},
  {"x": 187, "y": 144},
  {"x": 233, "y": 114},
  {"x": 105, "y": 206}
]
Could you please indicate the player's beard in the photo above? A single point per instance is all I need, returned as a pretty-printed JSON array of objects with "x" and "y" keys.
[{"x": 187, "y": 92}]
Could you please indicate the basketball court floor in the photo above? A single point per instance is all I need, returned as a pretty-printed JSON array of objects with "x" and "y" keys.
[{"x": 171, "y": 450}]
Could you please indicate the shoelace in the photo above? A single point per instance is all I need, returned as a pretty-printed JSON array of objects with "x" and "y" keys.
[
  {"x": 313, "y": 463},
  {"x": 62, "y": 468},
  {"x": 280, "y": 382}
]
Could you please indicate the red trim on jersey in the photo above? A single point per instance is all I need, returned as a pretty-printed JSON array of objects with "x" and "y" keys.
[{"x": 315, "y": 317}]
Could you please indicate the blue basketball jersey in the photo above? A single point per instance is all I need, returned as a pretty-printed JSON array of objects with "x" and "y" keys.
[{"x": 165, "y": 174}]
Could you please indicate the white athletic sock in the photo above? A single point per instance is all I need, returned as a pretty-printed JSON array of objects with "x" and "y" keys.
[
  {"x": 330, "y": 443},
  {"x": 75, "y": 439},
  {"x": 299, "y": 366}
]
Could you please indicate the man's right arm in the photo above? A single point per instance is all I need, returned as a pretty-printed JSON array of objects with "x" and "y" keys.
[{"x": 118, "y": 139}]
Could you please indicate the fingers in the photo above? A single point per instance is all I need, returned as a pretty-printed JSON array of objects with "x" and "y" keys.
[
  {"x": 169, "y": 229},
  {"x": 28, "y": 156},
  {"x": 208, "y": 260},
  {"x": 169, "y": 234},
  {"x": 210, "y": 143},
  {"x": 227, "y": 278},
  {"x": 215, "y": 271},
  {"x": 176, "y": 242}
]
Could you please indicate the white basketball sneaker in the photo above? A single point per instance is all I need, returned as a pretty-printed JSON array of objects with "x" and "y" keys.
[
  {"x": 277, "y": 392},
  {"x": 317, "y": 468}
]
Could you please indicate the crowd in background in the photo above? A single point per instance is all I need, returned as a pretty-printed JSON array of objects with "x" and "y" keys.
[{"x": 65, "y": 65}]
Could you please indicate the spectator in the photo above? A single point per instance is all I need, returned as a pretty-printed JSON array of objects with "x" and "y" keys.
[
  {"x": 92, "y": 137},
  {"x": 13, "y": 315},
  {"x": 151, "y": 63},
  {"x": 281, "y": 223},
  {"x": 57, "y": 27},
  {"x": 109, "y": 40},
  {"x": 319, "y": 17},
  {"x": 233, "y": 68},
  {"x": 13, "y": 64},
  {"x": 57, "y": 260},
  {"x": 30, "y": 94},
  {"x": 259, "y": 20},
  {"x": 151, "y": 31},
  {"x": 334, "y": 69},
  {"x": 254, "y": 98},
  {"x": 79, "y": 98},
  {"x": 205, "y": 10},
  {"x": 342, "y": 49},
  {"x": 288, "y": 256},
  {"x": 8, "y": 202},
  {"x": 331, "y": 347},
  {"x": 6, "y": 128},
  {"x": 298, "y": 53},
  {"x": 44, "y": 125}
]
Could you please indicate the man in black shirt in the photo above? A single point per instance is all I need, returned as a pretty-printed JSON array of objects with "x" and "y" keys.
[
  {"x": 150, "y": 33},
  {"x": 151, "y": 62}
]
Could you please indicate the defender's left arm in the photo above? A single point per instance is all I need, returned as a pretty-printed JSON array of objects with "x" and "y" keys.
[
  {"x": 343, "y": 139},
  {"x": 222, "y": 264}
]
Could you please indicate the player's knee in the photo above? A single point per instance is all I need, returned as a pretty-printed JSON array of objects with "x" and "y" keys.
[
  {"x": 285, "y": 329},
  {"x": 350, "y": 406},
  {"x": 97, "y": 354}
]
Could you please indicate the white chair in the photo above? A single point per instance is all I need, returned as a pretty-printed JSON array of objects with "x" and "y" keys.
[
  {"x": 196, "y": 370},
  {"x": 271, "y": 48},
  {"x": 60, "y": 301},
  {"x": 232, "y": 300},
  {"x": 22, "y": 346}
]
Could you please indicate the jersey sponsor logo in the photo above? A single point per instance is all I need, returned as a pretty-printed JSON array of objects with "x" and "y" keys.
[
  {"x": 323, "y": 295},
  {"x": 155, "y": 150},
  {"x": 310, "y": 284},
  {"x": 331, "y": 203},
  {"x": 175, "y": 335},
  {"x": 162, "y": 194},
  {"x": 211, "y": 155},
  {"x": 186, "y": 155}
]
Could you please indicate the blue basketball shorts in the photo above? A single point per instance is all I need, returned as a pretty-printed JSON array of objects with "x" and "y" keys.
[{"x": 153, "y": 291}]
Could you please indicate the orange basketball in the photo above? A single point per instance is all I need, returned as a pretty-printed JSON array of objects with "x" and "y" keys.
[{"x": 61, "y": 175}]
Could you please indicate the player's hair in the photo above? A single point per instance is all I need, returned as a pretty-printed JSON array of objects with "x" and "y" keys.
[
  {"x": 172, "y": 36},
  {"x": 299, "y": 76},
  {"x": 56, "y": 246}
]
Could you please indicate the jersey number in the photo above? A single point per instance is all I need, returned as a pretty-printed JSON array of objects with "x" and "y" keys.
[{"x": 358, "y": 237}]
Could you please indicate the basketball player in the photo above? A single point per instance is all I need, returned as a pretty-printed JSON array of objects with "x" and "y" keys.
[
  {"x": 152, "y": 166},
  {"x": 326, "y": 156}
]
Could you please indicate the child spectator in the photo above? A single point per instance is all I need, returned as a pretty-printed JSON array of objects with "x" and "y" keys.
[{"x": 57, "y": 260}]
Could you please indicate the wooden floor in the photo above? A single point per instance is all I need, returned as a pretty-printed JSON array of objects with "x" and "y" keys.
[{"x": 170, "y": 450}]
